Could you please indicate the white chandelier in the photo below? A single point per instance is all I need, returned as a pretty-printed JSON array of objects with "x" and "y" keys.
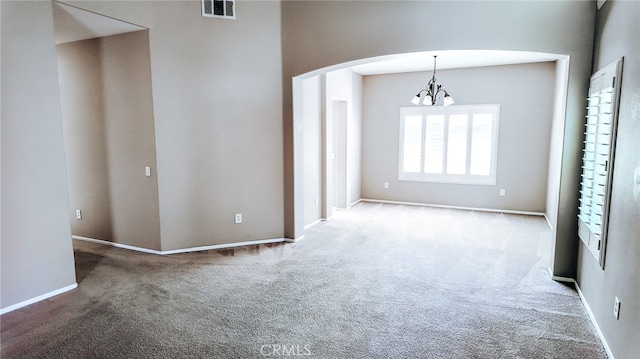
[{"x": 432, "y": 90}]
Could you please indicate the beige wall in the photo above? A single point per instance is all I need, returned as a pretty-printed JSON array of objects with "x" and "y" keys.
[
  {"x": 316, "y": 34},
  {"x": 526, "y": 104},
  {"x": 85, "y": 142},
  {"x": 105, "y": 87},
  {"x": 617, "y": 29},
  {"x": 217, "y": 93},
  {"x": 36, "y": 254},
  {"x": 217, "y": 99},
  {"x": 129, "y": 128}
]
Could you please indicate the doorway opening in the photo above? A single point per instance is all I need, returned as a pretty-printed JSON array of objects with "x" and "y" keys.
[{"x": 108, "y": 128}]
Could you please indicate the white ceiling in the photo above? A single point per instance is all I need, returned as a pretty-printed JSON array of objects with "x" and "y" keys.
[
  {"x": 423, "y": 61},
  {"x": 73, "y": 24}
]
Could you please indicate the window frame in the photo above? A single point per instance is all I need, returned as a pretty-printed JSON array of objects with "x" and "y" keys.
[{"x": 447, "y": 111}]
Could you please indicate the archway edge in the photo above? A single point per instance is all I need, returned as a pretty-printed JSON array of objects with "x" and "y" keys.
[{"x": 447, "y": 59}]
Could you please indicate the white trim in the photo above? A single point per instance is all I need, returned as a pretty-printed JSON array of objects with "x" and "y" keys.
[
  {"x": 593, "y": 320},
  {"x": 313, "y": 223},
  {"x": 38, "y": 298},
  {"x": 223, "y": 246},
  {"x": 494, "y": 210},
  {"x": 561, "y": 279},
  {"x": 354, "y": 203},
  {"x": 296, "y": 240},
  {"x": 548, "y": 221},
  {"x": 588, "y": 309},
  {"x": 600, "y": 3},
  {"x": 181, "y": 250},
  {"x": 117, "y": 245}
]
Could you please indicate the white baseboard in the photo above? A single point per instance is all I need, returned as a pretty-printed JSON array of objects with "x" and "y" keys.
[
  {"x": 453, "y": 207},
  {"x": 313, "y": 223},
  {"x": 117, "y": 245},
  {"x": 181, "y": 250},
  {"x": 588, "y": 309},
  {"x": 295, "y": 240},
  {"x": 561, "y": 279},
  {"x": 595, "y": 323},
  {"x": 347, "y": 208},
  {"x": 223, "y": 246},
  {"x": 38, "y": 298},
  {"x": 548, "y": 221}
]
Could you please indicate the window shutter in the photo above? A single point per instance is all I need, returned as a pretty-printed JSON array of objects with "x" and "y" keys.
[
  {"x": 597, "y": 159},
  {"x": 452, "y": 144}
]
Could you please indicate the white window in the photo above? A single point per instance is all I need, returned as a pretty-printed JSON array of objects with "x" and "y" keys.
[
  {"x": 598, "y": 153},
  {"x": 219, "y": 8},
  {"x": 452, "y": 144}
]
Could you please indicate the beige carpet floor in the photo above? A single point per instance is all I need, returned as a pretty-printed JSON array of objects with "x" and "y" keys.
[{"x": 379, "y": 281}]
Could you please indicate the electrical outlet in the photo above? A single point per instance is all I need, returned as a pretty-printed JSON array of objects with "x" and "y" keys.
[
  {"x": 78, "y": 214},
  {"x": 316, "y": 201},
  {"x": 616, "y": 308},
  {"x": 238, "y": 218},
  {"x": 503, "y": 192},
  {"x": 386, "y": 185},
  {"x": 147, "y": 171}
]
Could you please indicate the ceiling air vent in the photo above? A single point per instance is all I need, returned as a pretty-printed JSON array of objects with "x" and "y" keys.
[{"x": 219, "y": 8}]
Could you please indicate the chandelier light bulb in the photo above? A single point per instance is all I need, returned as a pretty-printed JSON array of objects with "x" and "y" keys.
[{"x": 448, "y": 100}]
